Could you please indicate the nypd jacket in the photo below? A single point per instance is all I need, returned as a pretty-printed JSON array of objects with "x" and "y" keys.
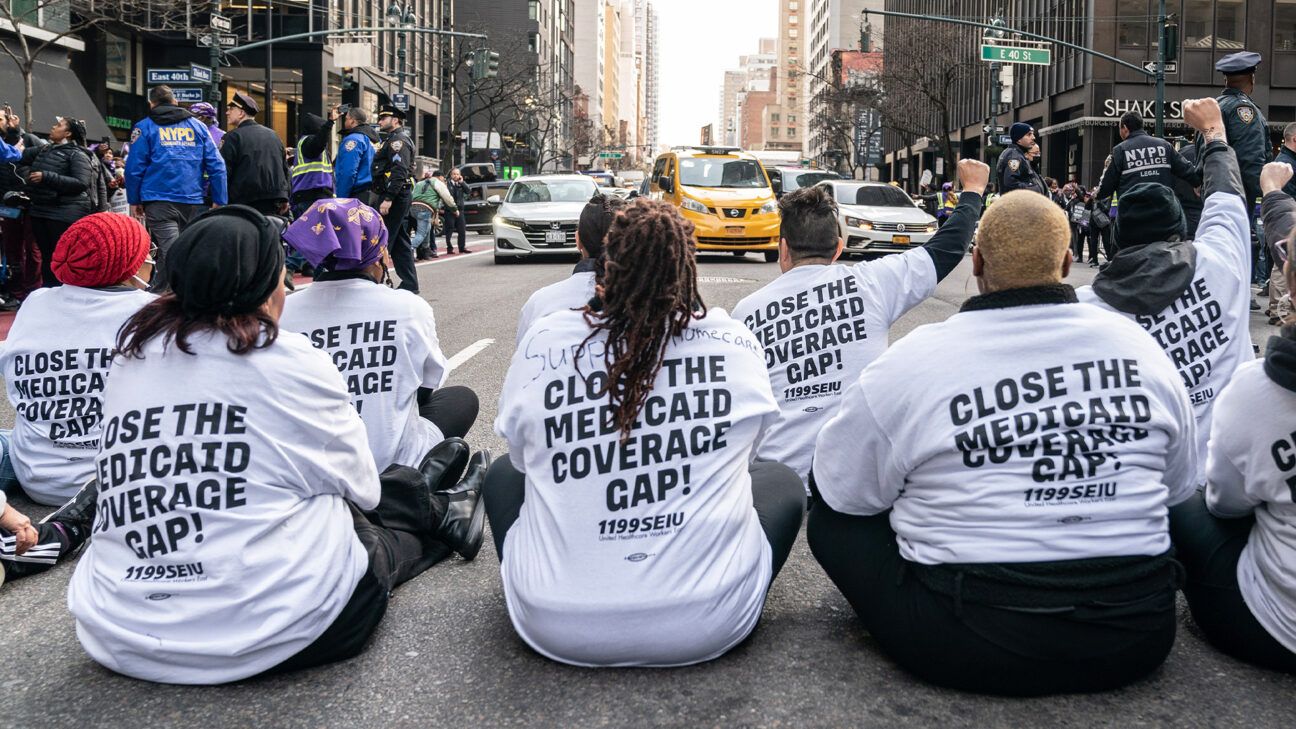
[
  {"x": 351, "y": 171},
  {"x": 255, "y": 157},
  {"x": 1145, "y": 158},
  {"x": 171, "y": 154},
  {"x": 393, "y": 164},
  {"x": 1248, "y": 135},
  {"x": 1288, "y": 156},
  {"x": 1015, "y": 173}
]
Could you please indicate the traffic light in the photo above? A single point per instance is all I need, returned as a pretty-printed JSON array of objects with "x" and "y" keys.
[
  {"x": 1172, "y": 41},
  {"x": 490, "y": 67}
]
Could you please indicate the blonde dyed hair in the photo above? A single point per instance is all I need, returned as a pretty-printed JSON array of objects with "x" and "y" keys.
[{"x": 1023, "y": 239}]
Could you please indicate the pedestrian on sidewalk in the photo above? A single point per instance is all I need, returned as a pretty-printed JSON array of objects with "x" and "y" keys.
[
  {"x": 457, "y": 195},
  {"x": 426, "y": 207},
  {"x": 172, "y": 168},
  {"x": 21, "y": 255},
  {"x": 62, "y": 185}
]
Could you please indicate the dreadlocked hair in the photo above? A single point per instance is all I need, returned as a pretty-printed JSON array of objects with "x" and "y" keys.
[{"x": 650, "y": 295}]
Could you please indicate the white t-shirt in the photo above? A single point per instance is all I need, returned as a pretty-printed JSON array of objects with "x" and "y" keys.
[
  {"x": 646, "y": 552},
  {"x": 1024, "y": 434},
  {"x": 223, "y": 543},
  {"x": 385, "y": 343},
  {"x": 1252, "y": 463},
  {"x": 820, "y": 327},
  {"x": 1206, "y": 332},
  {"x": 573, "y": 292},
  {"x": 55, "y": 363}
]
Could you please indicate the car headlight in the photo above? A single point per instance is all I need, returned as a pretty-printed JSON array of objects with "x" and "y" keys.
[
  {"x": 860, "y": 223},
  {"x": 694, "y": 206},
  {"x": 931, "y": 227},
  {"x": 510, "y": 222},
  {"x": 769, "y": 207}
]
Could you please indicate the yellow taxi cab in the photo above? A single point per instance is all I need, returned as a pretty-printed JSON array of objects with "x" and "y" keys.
[{"x": 725, "y": 193}]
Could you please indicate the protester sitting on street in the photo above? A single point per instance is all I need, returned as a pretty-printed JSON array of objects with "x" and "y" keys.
[
  {"x": 58, "y": 351},
  {"x": 27, "y": 549},
  {"x": 632, "y": 527},
  {"x": 384, "y": 341},
  {"x": 60, "y": 180},
  {"x": 1236, "y": 540},
  {"x": 820, "y": 324},
  {"x": 174, "y": 168},
  {"x": 1192, "y": 297},
  {"x": 259, "y": 510},
  {"x": 575, "y": 291},
  {"x": 1004, "y": 531}
]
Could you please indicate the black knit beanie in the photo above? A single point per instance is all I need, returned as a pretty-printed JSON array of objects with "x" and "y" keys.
[
  {"x": 1148, "y": 213},
  {"x": 227, "y": 261}
]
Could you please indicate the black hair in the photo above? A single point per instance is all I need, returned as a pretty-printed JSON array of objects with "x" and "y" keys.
[
  {"x": 1131, "y": 121},
  {"x": 595, "y": 220},
  {"x": 161, "y": 95},
  {"x": 810, "y": 223}
]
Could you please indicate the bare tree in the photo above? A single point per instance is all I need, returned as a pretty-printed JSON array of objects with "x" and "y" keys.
[
  {"x": 920, "y": 90},
  {"x": 846, "y": 112},
  {"x": 39, "y": 24}
]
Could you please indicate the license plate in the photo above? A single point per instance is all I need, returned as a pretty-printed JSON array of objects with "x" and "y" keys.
[
  {"x": 900, "y": 239},
  {"x": 555, "y": 236},
  {"x": 735, "y": 229}
]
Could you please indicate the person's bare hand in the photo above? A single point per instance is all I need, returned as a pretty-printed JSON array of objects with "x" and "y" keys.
[
  {"x": 1275, "y": 176},
  {"x": 385, "y": 207},
  {"x": 16, "y": 523},
  {"x": 35, "y": 177},
  {"x": 138, "y": 210},
  {"x": 973, "y": 175},
  {"x": 1203, "y": 115}
]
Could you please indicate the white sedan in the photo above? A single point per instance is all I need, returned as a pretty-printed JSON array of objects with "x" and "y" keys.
[
  {"x": 538, "y": 216},
  {"x": 876, "y": 218}
]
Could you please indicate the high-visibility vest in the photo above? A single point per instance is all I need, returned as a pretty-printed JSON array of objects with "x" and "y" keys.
[
  {"x": 311, "y": 174},
  {"x": 949, "y": 201}
]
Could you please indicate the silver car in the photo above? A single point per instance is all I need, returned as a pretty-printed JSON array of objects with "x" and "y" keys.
[
  {"x": 538, "y": 216},
  {"x": 876, "y": 218}
]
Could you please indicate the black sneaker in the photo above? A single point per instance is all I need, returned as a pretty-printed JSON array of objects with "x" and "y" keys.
[
  {"x": 76, "y": 517},
  {"x": 463, "y": 523}
]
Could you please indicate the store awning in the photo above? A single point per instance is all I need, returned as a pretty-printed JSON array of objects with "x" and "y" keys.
[
  {"x": 1104, "y": 121},
  {"x": 56, "y": 92}
]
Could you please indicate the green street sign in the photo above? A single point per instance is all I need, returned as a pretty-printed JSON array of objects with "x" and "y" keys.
[
  {"x": 512, "y": 173},
  {"x": 1016, "y": 54},
  {"x": 611, "y": 155}
]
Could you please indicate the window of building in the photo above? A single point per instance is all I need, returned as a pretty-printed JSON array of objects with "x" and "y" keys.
[
  {"x": 533, "y": 9},
  {"x": 1285, "y": 25},
  {"x": 792, "y": 20},
  {"x": 794, "y": 5},
  {"x": 1132, "y": 23},
  {"x": 1198, "y": 26},
  {"x": 791, "y": 118},
  {"x": 792, "y": 32},
  {"x": 791, "y": 131},
  {"x": 118, "y": 63},
  {"x": 1230, "y": 25},
  {"x": 533, "y": 42}
]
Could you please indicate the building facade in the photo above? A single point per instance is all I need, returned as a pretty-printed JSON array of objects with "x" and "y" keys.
[
  {"x": 1076, "y": 102},
  {"x": 589, "y": 42},
  {"x": 832, "y": 25}
]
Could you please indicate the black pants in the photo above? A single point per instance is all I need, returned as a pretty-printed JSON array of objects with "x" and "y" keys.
[
  {"x": 973, "y": 646},
  {"x": 454, "y": 222},
  {"x": 268, "y": 207},
  {"x": 1108, "y": 244},
  {"x": 777, "y": 495},
  {"x": 47, "y": 232},
  {"x": 165, "y": 221},
  {"x": 398, "y": 240},
  {"x": 453, "y": 410},
  {"x": 52, "y": 544},
  {"x": 1209, "y": 548},
  {"x": 397, "y": 536}
]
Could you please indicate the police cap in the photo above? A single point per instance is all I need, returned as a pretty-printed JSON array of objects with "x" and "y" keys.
[
  {"x": 390, "y": 110},
  {"x": 1238, "y": 64},
  {"x": 245, "y": 102}
]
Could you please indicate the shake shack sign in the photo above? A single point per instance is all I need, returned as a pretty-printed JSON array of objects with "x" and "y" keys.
[{"x": 1115, "y": 108}]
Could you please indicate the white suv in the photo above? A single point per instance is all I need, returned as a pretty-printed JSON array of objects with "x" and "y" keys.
[
  {"x": 539, "y": 214},
  {"x": 876, "y": 218}
]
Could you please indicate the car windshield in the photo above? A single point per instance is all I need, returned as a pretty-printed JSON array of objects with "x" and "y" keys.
[
  {"x": 710, "y": 172},
  {"x": 543, "y": 191},
  {"x": 877, "y": 195},
  {"x": 481, "y": 192},
  {"x": 808, "y": 179}
]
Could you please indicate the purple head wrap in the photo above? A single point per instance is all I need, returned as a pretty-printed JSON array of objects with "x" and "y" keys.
[{"x": 342, "y": 233}]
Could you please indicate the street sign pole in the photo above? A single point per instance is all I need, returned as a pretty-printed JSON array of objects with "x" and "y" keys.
[
  {"x": 1161, "y": 68},
  {"x": 213, "y": 54}
]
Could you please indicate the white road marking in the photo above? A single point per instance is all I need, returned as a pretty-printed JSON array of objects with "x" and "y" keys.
[{"x": 468, "y": 353}]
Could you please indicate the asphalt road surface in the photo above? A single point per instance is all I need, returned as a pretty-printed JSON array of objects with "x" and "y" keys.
[{"x": 446, "y": 654}]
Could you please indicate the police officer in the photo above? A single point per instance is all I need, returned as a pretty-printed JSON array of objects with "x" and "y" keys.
[
  {"x": 352, "y": 175},
  {"x": 1244, "y": 125},
  {"x": 1287, "y": 153},
  {"x": 392, "y": 191},
  {"x": 1014, "y": 171},
  {"x": 1141, "y": 157},
  {"x": 254, "y": 156},
  {"x": 312, "y": 171},
  {"x": 171, "y": 155}
]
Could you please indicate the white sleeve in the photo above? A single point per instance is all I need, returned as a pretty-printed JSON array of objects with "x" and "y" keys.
[
  {"x": 341, "y": 462},
  {"x": 854, "y": 466},
  {"x": 436, "y": 368},
  {"x": 1181, "y": 461},
  {"x": 526, "y": 318},
  {"x": 1226, "y": 230},
  {"x": 898, "y": 283},
  {"x": 1226, "y": 487},
  {"x": 508, "y": 415}
]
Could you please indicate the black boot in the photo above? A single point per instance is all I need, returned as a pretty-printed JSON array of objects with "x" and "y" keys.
[
  {"x": 444, "y": 464},
  {"x": 463, "y": 513},
  {"x": 75, "y": 519}
]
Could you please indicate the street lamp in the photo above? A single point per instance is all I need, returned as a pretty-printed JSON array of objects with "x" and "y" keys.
[{"x": 401, "y": 15}]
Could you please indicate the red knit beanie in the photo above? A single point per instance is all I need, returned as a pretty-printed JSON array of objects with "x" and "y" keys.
[{"x": 100, "y": 250}]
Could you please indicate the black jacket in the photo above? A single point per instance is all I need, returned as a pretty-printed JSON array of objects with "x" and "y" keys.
[
  {"x": 1288, "y": 156},
  {"x": 1186, "y": 191},
  {"x": 1248, "y": 136},
  {"x": 254, "y": 163},
  {"x": 393, "y": 166},
  {"x": 67, "y": 190},
  {"x": 1016, "y": 173},
  {"x": 9, "y": 179},
  {"x": 1145, "y": 158}
]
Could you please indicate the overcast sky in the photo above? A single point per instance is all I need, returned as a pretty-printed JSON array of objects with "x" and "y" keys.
[{"x": 697, "y": 40}]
